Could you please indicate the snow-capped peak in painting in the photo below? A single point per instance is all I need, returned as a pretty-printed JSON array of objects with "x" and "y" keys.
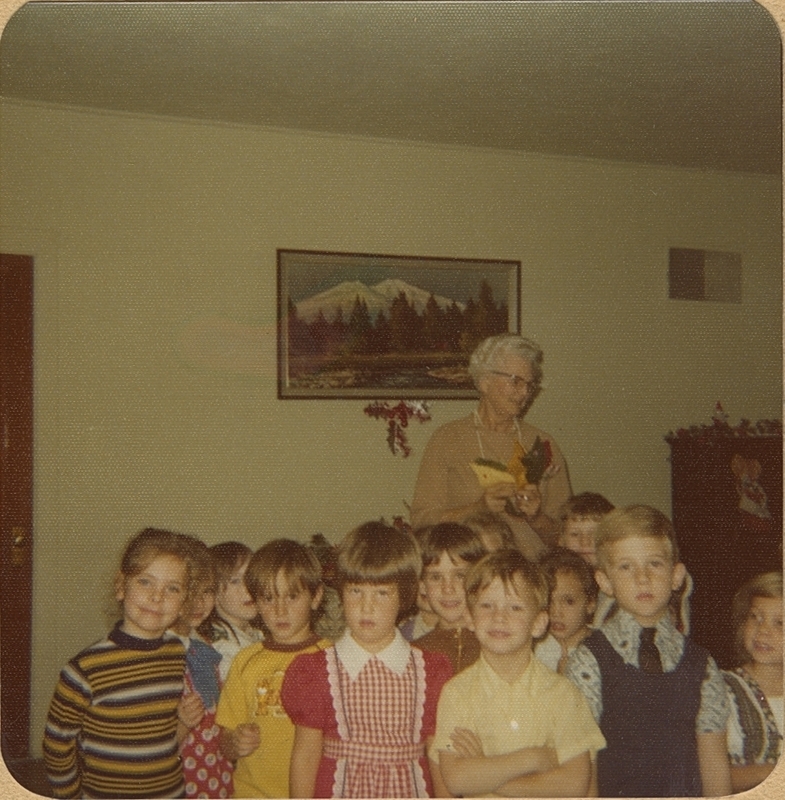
[{"x": 377, "y": 298}]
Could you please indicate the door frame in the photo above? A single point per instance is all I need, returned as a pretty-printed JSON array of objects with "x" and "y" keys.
[{"x": 16, "y": 502}]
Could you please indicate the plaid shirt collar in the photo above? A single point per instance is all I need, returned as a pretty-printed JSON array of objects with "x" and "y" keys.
[{"x": 354, "y": 657}]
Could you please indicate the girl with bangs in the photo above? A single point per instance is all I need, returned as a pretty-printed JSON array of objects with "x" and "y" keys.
[{"x": 365, "y": 709}]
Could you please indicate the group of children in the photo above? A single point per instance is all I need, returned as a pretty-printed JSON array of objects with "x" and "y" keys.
[{"x": 461, "y": 669}]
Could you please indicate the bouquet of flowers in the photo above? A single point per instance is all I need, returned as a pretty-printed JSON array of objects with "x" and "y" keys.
[{"x": 522, "y": 469}]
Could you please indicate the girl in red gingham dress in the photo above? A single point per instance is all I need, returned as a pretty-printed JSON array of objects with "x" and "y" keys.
[{"x": 365, "y": 709}]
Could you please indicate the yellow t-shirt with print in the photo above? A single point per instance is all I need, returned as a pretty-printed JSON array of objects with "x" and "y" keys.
[{"x": 252, "y": 693}]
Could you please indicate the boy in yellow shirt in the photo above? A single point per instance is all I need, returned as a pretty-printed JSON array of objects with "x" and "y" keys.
[
  {"x": 285, "y": 580},
  {"x": 508, "y": 725}
]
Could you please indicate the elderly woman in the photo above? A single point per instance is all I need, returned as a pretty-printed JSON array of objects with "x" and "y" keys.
[{"x": 507, "y": 370}]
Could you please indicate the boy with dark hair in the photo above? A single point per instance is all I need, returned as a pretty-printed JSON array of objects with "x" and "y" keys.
[
  {"x": 573, "y": 598},
  {"x": 579, "y": 518},
  {"x": 448, "y": 551},
  {"x": 284, "y": 578}
]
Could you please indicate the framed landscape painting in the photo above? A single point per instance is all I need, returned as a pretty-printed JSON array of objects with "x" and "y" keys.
[{"x": 362, "y": 325}]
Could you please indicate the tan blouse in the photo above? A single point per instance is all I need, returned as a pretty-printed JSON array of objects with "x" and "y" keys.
[{"x": 446, "y": 480}]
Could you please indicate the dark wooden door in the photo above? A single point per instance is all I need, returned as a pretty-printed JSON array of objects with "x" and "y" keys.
[{"x": 16, "y": 501}]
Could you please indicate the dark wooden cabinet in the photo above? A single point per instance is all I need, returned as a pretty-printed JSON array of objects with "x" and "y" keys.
[{"x": 721, "y": 545}]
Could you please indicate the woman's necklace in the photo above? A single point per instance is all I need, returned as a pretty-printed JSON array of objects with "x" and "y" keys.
[{"x": 478, "y": 424}]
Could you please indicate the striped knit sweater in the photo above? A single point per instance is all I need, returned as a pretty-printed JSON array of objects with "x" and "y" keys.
[{"x": 112, "y": 724}]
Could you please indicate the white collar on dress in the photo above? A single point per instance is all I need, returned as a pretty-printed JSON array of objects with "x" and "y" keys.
[{"x": 354, "y": 657}]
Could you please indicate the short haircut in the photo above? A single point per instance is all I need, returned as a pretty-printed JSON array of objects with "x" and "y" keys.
[
  {"x": 228, "y": 558},
  {"x": 298, "y": 563},
  {"x": 635, "y": 520},
  {"x": 458, "y": 541},
  {"x": 488, "y": 521},
  {"x": 586, "y": 505},
  {"x": 564, "y": 561},
  {"x": 376, "y": 552},
  {"x": 487, "y": 354},
  {"x": 507, "y": 564},
  {"x": 768, "y": 584}
]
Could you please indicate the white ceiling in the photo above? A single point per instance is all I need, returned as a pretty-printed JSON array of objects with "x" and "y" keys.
[{"x": 694, "y": 84}]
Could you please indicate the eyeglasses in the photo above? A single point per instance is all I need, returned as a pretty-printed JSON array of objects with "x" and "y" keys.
[{"x": 516, "y": 381}]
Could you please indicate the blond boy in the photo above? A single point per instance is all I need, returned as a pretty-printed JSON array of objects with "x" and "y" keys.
[
  {"x": 507, "y": 724},
  {"x": 658, "y": 697}
]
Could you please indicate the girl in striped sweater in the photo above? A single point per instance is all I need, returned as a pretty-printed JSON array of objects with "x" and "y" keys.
[{"x": 111, "y": 731}]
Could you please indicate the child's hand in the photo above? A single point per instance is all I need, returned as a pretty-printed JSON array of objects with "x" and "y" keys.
[
  {"x": 246, "y": 738},
  {"x": 466, "y": 743},
  {"x": 190, "y": 710}
]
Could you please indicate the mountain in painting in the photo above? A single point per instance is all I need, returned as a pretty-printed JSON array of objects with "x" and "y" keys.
[{"x": 377, "y": 298}]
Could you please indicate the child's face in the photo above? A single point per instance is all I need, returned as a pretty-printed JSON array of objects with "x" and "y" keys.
[
  {"x": 286, "y": 610},
  {"x": 233, "y": 601},
  {"x": 442, "y": 583},
  {"x": 201, "y": 604},
  {"x": 569, "y": 608},
  {"x": 762, "y": 633},
  {"x": 641, "y": 576},
  {"x": 153, "y": 598},
  {"x": 371, "y": 612},
  {"x": 506, "y": 619},
  {"x": 578, "y": 536}
]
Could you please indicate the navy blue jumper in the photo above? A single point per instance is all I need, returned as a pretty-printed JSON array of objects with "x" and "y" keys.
[{"x": 649, "y": 723}]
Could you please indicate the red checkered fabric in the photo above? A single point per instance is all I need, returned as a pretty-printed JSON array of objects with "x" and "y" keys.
[
  {"x": 379, "y": 718},
  {"x": 335, "y": 748}
]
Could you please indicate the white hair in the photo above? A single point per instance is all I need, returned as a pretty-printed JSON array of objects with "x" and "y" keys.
[{"x": 486, "y": 356}]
